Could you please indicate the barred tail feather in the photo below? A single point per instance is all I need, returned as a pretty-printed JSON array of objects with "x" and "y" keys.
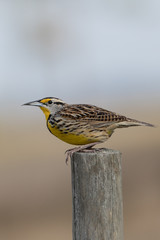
[{"x": 132, "y": 122}]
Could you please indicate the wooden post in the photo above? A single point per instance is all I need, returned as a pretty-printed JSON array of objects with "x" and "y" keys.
[{"x": 97, "y": 195}]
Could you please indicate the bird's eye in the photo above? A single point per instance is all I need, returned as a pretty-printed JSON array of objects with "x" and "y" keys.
[{"x": 50, "y": 102}]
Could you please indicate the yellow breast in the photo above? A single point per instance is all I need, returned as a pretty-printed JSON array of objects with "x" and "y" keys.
[
  {"x": 73, "y": 138},
  {"x": 70, "y": 137}
]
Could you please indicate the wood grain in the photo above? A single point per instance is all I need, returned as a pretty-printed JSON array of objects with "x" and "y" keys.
[{"x": 97, "y": 195}]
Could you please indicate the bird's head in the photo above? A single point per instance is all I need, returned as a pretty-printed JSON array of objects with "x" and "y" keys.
[{"x": 49, "y": 105}]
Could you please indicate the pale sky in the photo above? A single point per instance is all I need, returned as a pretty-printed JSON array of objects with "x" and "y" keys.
[{"x": 92, "y": 49}]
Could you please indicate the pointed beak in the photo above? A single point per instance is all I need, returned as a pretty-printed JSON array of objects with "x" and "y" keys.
[{"x": 34, "y": 103}]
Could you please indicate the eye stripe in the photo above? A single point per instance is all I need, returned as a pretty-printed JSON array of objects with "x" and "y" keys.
[{"x": 59, "y": 103}]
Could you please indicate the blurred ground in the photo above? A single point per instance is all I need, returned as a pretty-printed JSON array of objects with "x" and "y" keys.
[{"x": 35, "y": 184}]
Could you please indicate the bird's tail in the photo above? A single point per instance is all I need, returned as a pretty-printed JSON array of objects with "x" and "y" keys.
[{"x": 132, "y": 122}]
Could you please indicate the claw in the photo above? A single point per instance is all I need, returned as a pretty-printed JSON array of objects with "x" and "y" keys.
[
  {"x": 67, "y": 159},
  {"x": 69, "y": 155},
  {"x": 87, "y": 148}
]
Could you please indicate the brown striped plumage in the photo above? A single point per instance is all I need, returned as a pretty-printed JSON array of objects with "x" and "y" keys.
[
  {"x": 82, "y": 124},
  {"x": 86, "y": 112}
]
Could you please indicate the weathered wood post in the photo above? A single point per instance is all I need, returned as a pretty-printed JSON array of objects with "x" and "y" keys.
[{"x": 97, "y": 195}]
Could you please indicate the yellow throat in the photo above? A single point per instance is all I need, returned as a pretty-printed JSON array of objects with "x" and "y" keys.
[{"x": 46, "y": 112}]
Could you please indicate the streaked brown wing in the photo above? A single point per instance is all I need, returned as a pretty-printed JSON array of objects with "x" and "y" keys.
[{"x": 90, "y": 113}]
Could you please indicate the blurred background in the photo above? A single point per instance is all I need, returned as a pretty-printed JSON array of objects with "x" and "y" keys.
[{"x": 100, "y": 52}]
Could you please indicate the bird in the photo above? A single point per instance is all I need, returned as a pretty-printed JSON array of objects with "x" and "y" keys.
[{"x": 81, "y": 124}]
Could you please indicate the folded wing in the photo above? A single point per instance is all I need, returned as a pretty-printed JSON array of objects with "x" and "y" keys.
[{"x": 97, "y": 117}]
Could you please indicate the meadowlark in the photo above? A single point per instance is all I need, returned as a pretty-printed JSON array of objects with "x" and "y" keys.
[{"x": 81, "y": 124}]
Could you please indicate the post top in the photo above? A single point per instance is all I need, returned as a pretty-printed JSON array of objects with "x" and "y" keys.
[{"x": 99, "y": 151}]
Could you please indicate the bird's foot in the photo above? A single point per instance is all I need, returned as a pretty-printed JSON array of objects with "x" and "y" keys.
[
  {"x": 69, "y": 153},
  {"x": 83, "y": 148}
]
